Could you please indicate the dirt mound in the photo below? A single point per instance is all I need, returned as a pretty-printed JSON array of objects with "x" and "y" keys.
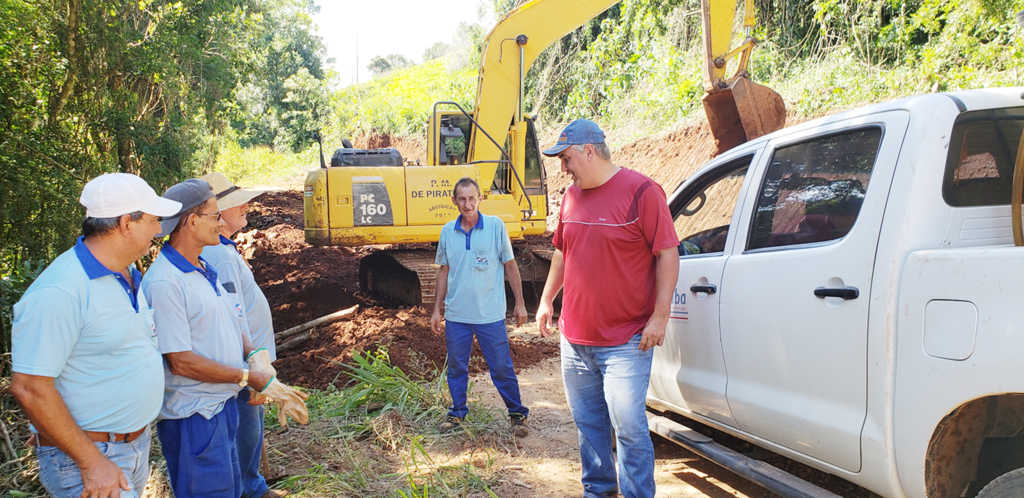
[
  {"x": 412, "y": 149},
  {"x": 404, "y": 333}
]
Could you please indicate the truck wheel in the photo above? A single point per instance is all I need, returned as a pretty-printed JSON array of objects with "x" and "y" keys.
[
  {"x": 1008, "y": 485},
  {"x": 346, "y": 144}
]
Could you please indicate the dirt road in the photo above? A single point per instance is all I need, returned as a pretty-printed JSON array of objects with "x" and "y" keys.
[{"x": 550, "y": 459}]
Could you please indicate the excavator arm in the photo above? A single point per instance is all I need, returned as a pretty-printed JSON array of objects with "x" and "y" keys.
[{"x": 505, "y": 61}]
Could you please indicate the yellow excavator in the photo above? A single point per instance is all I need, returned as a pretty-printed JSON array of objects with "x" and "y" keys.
[{"x": 367, "y": 197}]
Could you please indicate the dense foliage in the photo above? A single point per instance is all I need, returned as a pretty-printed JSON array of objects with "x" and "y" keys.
[
  {"x": 147, "y": 87},
  {"x": 642, "y": 59}
]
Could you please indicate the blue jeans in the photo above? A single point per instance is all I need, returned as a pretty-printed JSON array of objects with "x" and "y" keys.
[
  {"x": 250, "y": 444},
  {"x": 62, "y": 479},
  {"x": 493, "y": 339},
  {"x": 606, "y": 389},
  {"x": 202, "y": 459}
]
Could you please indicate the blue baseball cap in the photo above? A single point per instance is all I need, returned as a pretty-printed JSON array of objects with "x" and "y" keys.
[
  {"x": 190, "y": 193},
  {"x": 579, "y": 132}
]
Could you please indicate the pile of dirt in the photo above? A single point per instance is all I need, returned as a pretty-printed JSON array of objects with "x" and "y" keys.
[
  {"x": 412, "y": 149},
  {"x": 304, "y": 282},
  {"x": 408, "y": 339}
]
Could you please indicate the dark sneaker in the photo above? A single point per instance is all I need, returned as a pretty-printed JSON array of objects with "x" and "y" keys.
[
  {"x": 519, "y": 427},
  {"x": 450, "y": 423}
]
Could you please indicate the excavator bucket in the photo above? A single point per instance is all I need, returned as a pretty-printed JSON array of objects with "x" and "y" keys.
[{"x": 743, "y": 111}]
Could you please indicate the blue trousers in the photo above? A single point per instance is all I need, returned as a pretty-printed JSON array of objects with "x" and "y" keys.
[
  {"x": 606, "y": 388},
  {"x": 202, "y": 459},
  {"x": 493, "y": 339},
  {"x": 250, "y": 444}
]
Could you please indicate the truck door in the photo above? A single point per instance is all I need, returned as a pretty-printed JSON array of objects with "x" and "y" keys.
[
  {"x": 795, "y": 293},
  {"x": 688, "y": 371}
]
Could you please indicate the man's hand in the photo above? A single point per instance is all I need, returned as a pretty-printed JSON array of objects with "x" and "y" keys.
[
  {"x": 101, "y": 478},
  {"x": 653, "y": 334},
  {"x": 520, "y": 313},
  {"x": 544, "y": 314},
  {"x": 256, "y": 399},
  {"x": 435, "y": 322}
]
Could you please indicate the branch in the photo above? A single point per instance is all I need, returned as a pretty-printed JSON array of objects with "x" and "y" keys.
[
  {"x": 333, "y": 317},
  {"x": 50, "y": 160}
]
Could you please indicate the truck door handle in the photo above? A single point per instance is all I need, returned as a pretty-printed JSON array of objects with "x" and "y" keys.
[
  {"x": 707, "y": 289},
  {"x": 841, "y": 292}
]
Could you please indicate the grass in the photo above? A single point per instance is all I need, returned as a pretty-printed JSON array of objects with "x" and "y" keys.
[
  {"x": 379, "y": 437},
  {"x": 263, "y": 165},
  {"x": 400, "y": 102}
]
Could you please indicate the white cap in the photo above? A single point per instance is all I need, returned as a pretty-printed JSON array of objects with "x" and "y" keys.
[{"x": 117, "y": 194}]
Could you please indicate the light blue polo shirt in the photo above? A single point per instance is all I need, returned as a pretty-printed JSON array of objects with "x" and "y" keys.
[
  {"x": 86, "y": 327},
  {"x": 236, "y": 277},
  {"x": 193, "y": 312},
  {"x": 476, "y": 271}
]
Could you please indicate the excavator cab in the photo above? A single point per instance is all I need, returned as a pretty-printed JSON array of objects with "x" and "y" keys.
[{"x": 738, "y": 109}]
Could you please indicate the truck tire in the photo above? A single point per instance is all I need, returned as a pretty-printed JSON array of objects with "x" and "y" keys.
[{"x": 1008, "y": 485}]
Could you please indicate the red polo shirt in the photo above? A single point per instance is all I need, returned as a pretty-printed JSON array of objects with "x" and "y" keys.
[{"x": 609, "y": 236}]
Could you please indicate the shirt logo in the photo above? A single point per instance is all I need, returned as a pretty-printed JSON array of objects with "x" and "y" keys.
[
  {"x": 238, "y": 308},
  {"x": 481, "y": 260}
]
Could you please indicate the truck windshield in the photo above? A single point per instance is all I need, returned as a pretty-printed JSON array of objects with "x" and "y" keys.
[{"x": 982, "y": 151}]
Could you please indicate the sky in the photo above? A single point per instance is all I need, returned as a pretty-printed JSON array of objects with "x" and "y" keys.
[{"x": 382, "y": 27}]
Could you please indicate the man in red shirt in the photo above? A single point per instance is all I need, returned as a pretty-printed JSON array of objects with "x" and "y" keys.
[{"x": 616, "y": 256}]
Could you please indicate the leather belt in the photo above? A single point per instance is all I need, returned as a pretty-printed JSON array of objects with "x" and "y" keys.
[{"x": 98, "y": 437}]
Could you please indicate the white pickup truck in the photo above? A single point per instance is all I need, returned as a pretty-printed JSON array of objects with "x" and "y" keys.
[{"x": 850, "y": 297}]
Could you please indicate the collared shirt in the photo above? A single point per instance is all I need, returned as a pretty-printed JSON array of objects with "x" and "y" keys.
[
  {"x": 193, "y": 312},
  {"x": 476, "y": 271},
  {"x": 236, "y": 277},
  {"x": 86, "y": 327},
  {"x": 609, "y": 236}
]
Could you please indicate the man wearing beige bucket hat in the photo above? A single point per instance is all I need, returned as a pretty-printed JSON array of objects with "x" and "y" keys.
[{"x": 237, "y": 277}]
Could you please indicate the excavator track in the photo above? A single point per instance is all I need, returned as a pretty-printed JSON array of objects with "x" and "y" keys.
[{"x": 409, "y": 276}]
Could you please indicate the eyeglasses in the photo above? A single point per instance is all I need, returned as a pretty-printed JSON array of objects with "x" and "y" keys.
[{"x": 215, "y": 215}]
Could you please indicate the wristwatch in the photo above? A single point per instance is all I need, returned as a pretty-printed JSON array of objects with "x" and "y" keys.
[{"x": 245, "y": 378}]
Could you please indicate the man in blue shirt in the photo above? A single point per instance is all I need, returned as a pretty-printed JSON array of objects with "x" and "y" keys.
[
  {"x": 475, "y": 253},
  {"x": 237, "y": 278},
  {"x": 85, "y": 361},
  {"x": 204, "y": 339}
]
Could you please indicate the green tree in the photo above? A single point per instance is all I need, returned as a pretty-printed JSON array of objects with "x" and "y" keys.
[
  {"x": 281, "y": 43},
  {"x": 381, "y": 65}
]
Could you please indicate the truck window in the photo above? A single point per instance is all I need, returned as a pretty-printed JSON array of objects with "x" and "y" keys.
[
  {"x": 812, "y": 191},
  {"x": 703, "y": 223},
  {"x": 982, "y": 151}
]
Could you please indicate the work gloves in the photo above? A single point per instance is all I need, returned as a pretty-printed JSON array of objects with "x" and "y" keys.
[
  {"x": 290, "y": 402},
  {"x": 259, "y": 360}
]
